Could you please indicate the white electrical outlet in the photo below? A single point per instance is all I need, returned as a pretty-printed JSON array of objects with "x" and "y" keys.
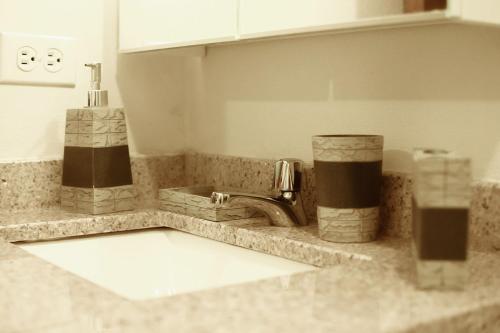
[
  {"x": 54, "y": 60},
  {"x": 37, "y": 60},
  {"x": 27, "y": 58}
]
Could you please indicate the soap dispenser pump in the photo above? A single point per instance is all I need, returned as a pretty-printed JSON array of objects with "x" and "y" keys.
[
  {"x": 97, "y": 176},
  {"x": 95, "y": 96}
]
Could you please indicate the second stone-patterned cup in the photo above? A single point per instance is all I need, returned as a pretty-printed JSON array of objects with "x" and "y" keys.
[{"x": 348, "y": 173}]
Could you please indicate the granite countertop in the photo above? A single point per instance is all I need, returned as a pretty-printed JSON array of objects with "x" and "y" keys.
[{"x": 360, "y": 287}]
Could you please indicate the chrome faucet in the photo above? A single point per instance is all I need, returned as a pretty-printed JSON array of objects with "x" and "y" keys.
[{"x": 284, "y": 208}]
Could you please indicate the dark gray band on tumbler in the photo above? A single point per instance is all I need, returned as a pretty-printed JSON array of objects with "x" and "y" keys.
[
  {"x": 440, "y": 233},
  {"x": 348, "y": 184},
  {"x": 96, "y": 167}
]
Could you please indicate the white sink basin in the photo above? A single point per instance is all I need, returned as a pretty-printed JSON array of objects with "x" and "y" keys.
[{"x": 160, "y": 262}]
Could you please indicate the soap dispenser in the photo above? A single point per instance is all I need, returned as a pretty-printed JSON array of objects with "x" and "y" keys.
[
  {"x": 97, "y": 177},
  {"x": 441, "y": 201}
]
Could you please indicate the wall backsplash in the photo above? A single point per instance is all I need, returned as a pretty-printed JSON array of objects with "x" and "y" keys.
[
  {"x": 485, "y": 216},
  {"x": 32, "y": 185},
  {"x": 256, "y": 176}
]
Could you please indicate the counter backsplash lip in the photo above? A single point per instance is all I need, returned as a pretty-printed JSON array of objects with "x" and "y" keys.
[{"x": 32, "y": 185}]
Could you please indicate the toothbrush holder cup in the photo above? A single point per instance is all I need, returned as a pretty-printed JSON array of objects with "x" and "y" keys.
[{"x": 348, "y": 174}]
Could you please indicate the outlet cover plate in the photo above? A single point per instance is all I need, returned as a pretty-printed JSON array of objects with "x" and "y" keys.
[{"x": 10, "y": 73}]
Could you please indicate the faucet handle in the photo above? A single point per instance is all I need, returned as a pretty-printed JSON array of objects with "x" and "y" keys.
[
  {"x": 287, "y": 175},
  {"x": 219, "y": 198}
]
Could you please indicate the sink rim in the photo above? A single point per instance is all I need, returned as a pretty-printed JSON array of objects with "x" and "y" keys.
[{"x": 24, "y": 245}]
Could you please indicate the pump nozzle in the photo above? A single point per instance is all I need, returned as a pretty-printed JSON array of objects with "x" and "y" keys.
[
  {"x": 96, "y": 96},
  {"x": 95, "y": 75}
]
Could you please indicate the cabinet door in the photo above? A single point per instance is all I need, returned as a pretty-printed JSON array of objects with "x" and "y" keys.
[
  {"x": 157, "y": 24},
  {"x": 261, "y": 18}
]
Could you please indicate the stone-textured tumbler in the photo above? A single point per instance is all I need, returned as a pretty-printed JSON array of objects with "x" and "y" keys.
[{"x": 348, "y": 172}]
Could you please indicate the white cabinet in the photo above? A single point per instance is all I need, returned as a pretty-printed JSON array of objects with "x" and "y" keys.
[
  {"x": 262, "y": 18},
  {"x": 161, "y": 24},
  {"x": 157, "y": 24}
]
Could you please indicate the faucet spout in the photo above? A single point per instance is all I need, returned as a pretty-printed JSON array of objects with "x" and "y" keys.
[
  {"x": 285, "y": 209},
  {"x": 280, "y": 212}
]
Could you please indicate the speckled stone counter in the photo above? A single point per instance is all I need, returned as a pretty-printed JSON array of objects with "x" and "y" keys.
[
  {"x": 31, "y": 185},
  {"x": 53, "y": 223},
  {"x": 361, "y": 287}
]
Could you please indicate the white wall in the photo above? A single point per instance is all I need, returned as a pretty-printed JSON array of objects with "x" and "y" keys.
[
  {"x": 32, "y": 117},
  {"x": 429, "y": 86},
  {"x": 436, "y": 86},
  {"x": 152, "y": 87},
  {"x": 473, "y": 10}
]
